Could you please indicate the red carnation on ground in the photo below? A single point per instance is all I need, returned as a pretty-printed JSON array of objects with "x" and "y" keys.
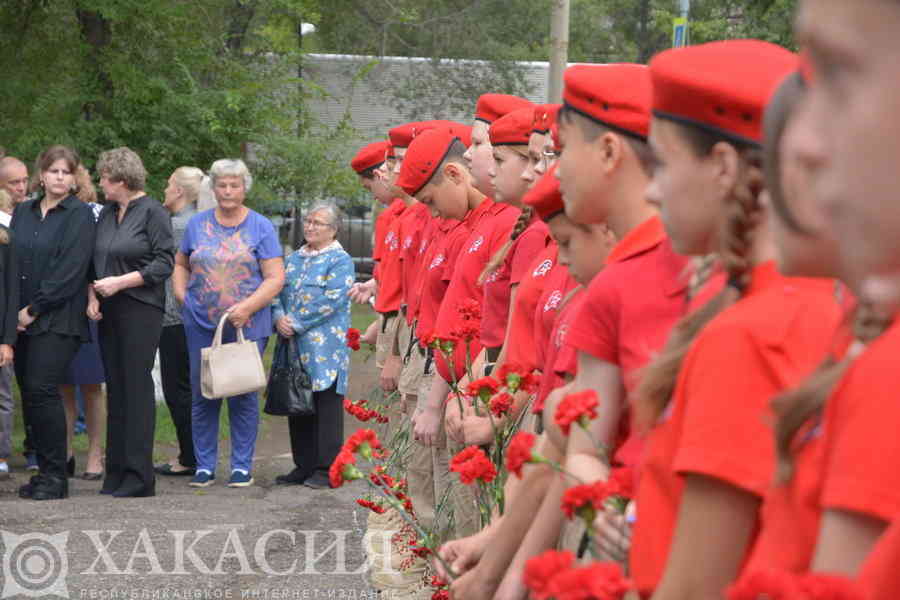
[
  {"x": 540, "y": 570},
  {"x": 376, "y": 508},
  {"x": 470, "y": 309},
  {"x": 364, "y": 441},
  {"x": 579, "y": 408},
  {"x": 343, "y": 469},
  {"x": 583, "y": 500},
  {"x": 483, "y": 388},
  {"x": 501, "y": 404},
  {"x": 472, "y": 463},
  {"x": 519, "y": 452},
  {"x": 353, "y": 337}
]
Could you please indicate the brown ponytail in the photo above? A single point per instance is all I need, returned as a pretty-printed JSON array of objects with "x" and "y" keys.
[
  {"x": 743, "y": 213},
  {"x": 796, "y": 407},
  {"x": 519, "y": 228}
]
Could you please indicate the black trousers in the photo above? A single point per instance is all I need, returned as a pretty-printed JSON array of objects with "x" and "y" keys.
[
  {"x": 175, "y": 371},
  {"x": 41, "y": 364},
  {"x": 129, "y": 337},
  {"x": 317, "y": 439}
]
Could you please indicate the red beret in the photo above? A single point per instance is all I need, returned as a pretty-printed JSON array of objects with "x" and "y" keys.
[
  {"x": 722, "y": 87},
  {"x": 554, "y": 135},
  {"x": 402, "y": 136},
  {"x": 544, "y": 197},
  {"x": 424, "y": 155},
  {"x": 370, "y": 156},
  {"x": 460, "y": 130},
  {"x": 615, "y": 95},
  {"x": 513, "y": 128},
  {"x": 491, "y": 107},
  {"x": 544, "y": 118}
]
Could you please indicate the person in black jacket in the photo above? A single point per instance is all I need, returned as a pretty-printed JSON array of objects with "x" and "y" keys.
[
  {"x": 133, "y": 258},
  {"x": 54, "y": 242}
]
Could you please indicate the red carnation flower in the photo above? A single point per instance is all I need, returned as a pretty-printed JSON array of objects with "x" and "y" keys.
[
  {"x": 438, "y": 582},
  {"x": 483, "y": 388},
  {"x": 470, "y": 309},
  {"x": 343, "y": 469},
  {"x": 621, "y": 483},
  {"x": 376, "y": 508},
  {"x": 471, "y": 464},
  {"x": 517, "y": 378},
  {"x": 501, "y": 404},
  {"x": 353, "y": 337},
  {"x": 579, "y": 408},
  {"x": 583, "y": 500},
  {"x": 606, "y": 581},
  {"x": 441, "y": 595},
  {"x": 519, "y": 452},
  {"x": 363, "y": 440},
  {"x": 540, "y": 570},
  {"x": 466, "y": 331}
]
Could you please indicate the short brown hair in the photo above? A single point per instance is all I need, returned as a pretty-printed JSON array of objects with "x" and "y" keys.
[{"x": 123, "y": 164}]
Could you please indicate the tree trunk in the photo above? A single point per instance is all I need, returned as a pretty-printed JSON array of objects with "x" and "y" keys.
[
  {"x": 96, "y": 31},
  {"x": 559, "y": 48},
  {"x": 241, "y": 14},
  {"x": 644, "y": 43}
]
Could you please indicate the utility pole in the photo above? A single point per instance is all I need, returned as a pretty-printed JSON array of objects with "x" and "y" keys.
[
  {"x": 681, "y": 28},
  {"x": 559, "y": 49}
]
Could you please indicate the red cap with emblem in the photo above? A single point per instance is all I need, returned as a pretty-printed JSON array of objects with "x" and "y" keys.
[
  {"x": 460, "y": 130},
  {"x": 423, "y": 157},
  {"x": 615, "y": 95},
  {"x": 370, "y": 156},
  {"x": 721, "y": 87},
  {"x": 512, "y": 129},
  {"x": 544, "y": 118},
  {"x": 545, "y": 197},
  {"x": 491, "y": 107}
]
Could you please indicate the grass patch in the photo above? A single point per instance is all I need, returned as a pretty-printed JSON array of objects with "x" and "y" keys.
[{"x": 361, "y": 317}]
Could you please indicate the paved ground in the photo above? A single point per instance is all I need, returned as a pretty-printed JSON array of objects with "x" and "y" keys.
[{"x": 266, "y": 541}]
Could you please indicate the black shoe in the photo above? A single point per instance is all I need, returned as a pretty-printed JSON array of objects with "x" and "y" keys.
[
  {"x": 110, "y": 485},
  {"x": 319, "y": 481},
  {"x": 70, "y": 466},
  {"x": 166, "y": 469},
  {"x": 132, "y": 487},
  {"x": 295, "y": 477},
  {"x": 50, "y": 488},
  {"x": 27, "y": 490}
]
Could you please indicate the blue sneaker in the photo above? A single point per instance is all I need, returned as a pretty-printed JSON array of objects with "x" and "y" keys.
[
  {"x": 240, "y": 479},
  {"x": 31, "y": 463},
  {"x": 203, "y": 479}
]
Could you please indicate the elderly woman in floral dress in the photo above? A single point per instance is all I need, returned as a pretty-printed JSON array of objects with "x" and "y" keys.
[{"x": 313, "y": 310}]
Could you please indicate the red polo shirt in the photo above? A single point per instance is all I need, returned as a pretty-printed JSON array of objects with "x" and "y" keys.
[
  {"x": 413, "y": 222},
  {"x": 546, "y": 313},
  {"x": 633, "y": 302},
  {"x": 556, "y": 342},
  {"x": 846, "y": 459},
  {"x": 382, "y": 223},
  {"x": 438, "y": 262},
  {"x": 878, "y": 576},
  {"x": 490, "y": 225},
  {"x": 718, "y": 422},
  {"x": 498, "y": 285},
  {"x": 390, "y": 276},
  {"x": 521, "y": 349},
  {"x": 435, "y": 229}
]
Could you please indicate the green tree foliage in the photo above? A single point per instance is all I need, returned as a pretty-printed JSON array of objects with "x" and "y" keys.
[{"x": 181, "y": 83}]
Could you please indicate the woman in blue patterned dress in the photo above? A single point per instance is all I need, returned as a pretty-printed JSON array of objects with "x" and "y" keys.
[{"x": 313, "y": 310}]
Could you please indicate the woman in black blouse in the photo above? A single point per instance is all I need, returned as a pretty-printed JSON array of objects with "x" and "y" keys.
[
  {"x": 54, "y": 242},
  {"x": 133, "y": 257}
]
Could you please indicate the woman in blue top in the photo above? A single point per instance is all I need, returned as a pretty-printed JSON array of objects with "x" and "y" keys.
[
  {"x": 229, "y": 262},
  {"x": 313, "y": 310}
]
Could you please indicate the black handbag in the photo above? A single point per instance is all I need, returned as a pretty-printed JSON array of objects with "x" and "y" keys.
[{"x": 289, "y": 391}]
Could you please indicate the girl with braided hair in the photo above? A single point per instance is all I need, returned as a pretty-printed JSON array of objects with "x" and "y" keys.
[
  {"x": 836, "y": 435},
  {"x": 709, "y": 455}
]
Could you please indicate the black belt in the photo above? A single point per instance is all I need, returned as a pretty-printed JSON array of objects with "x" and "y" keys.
[
  {"x": 384, "y": 319},
  {"x": 412, "y": 342}
]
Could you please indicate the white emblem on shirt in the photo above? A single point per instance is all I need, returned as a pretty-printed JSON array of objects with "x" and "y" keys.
[
  {"x": 438, "y": 261},
  {"x": 543, "y": 268},
  {"x": 553, "y": 301},
  {"x": 477, "y": 244}
]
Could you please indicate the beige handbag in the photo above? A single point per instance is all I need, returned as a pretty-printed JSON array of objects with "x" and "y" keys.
[{"x": 231, "y": 369}]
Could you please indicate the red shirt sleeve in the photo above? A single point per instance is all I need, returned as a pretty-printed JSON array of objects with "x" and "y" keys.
[
  {"x": 862, "y": 451},
  {"x": 878, "y": 576},
  {"x": 527, "y": 247},
  {"x": 595, "y": 329}
]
